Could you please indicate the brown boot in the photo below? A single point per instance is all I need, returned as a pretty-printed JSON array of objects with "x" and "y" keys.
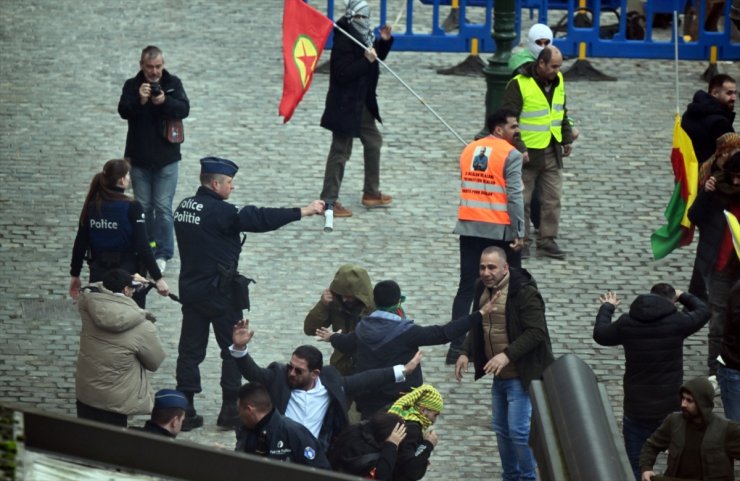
[
  {"x": 341, "y": 211},
  {"x": 376, "y": 200}
]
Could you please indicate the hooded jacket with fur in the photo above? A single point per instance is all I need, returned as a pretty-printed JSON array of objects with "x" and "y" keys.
[{"x": 118, "y": 345}]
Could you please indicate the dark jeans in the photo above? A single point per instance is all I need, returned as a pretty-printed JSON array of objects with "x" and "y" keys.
[
  {"x": 191, "y": 351},
  {"x": 471, "y": 249},
  {"x": 85, "y": 411},
  {"x": 635, "y": 434}
]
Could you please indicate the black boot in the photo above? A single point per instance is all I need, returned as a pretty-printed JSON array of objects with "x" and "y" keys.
[
  {"x": 192, "y": 419},
  {"x": 228, "y": 417}
]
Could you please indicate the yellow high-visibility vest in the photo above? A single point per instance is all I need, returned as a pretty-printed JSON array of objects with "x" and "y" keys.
[
  {"x": 538, "y": 121},
  {"x": 483, "y": 188}
]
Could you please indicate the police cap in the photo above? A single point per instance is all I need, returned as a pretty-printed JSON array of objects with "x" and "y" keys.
[{"x": 216, "y": 165}]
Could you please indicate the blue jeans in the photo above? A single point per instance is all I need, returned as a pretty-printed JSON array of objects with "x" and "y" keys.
[
  {"x": 729, "y": 386},
  {"x": 512, "y": 413},
  {"x": 635, "y": 434},
  {"x": 155, "y": 190}
]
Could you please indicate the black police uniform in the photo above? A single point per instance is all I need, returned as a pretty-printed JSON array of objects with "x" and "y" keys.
[
  {"x": 114, "y": 236},
  {"x": 208, "y": 238},
  {"x": 278, "y": 437}
]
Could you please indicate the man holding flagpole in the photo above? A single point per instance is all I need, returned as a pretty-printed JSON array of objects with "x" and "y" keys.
[{"x": 351, "y": 104}]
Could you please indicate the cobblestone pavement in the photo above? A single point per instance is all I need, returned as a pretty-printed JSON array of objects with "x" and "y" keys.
[{"x": 63, "y": 64}]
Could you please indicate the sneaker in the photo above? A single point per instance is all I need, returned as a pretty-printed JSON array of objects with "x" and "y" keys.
[
  {"x": 192, "y": 421},
  {"x": 550, "y": 249},
  {"x": 341, "y": 211},
  {"x": 162, "y": 264},
  {"x": 376, "y": 200},
  {"x": 228, "y": 418}
]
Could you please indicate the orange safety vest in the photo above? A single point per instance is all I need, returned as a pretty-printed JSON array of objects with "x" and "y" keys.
[{"x": 483, "y": 186}]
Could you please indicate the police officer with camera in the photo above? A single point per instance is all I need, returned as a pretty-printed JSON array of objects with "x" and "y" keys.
[{"x": 212, "y": 291}]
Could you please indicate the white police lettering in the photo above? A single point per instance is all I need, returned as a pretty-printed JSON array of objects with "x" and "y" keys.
[
  {"x": 103, "y": 224},
  {"x": 187, "y": 216}
]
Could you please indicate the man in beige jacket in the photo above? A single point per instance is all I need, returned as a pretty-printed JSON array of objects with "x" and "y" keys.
[{"x": 118, "y": 344}]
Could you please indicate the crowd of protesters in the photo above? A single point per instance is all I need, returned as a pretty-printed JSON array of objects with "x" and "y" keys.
[{"x": 370, "y": 411}]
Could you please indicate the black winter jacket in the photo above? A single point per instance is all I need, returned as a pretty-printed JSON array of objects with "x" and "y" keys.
[
  {"x": 529, "y": 340},
  {"x": 352, "y": 82},
  {"x": 275, "y": 378},
  {"x": 278, "y": 437},
  {"x": 707, "y": 213},
  {"x": 413, "y": 454},
  {"x": 705, "y": 120},
  {"x": 382, "y": 340},
  {"x": 652, "y": 334},
  {"x": 146, "y": 145}
]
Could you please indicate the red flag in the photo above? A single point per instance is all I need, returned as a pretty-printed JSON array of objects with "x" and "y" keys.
[
  {"x": 305, "y": 31},
  {"x": 678, "y": 231}
]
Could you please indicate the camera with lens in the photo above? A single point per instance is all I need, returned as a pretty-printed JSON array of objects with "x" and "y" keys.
[{"x": 156, "y": 89}]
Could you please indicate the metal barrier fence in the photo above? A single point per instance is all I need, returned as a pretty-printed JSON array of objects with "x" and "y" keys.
[{"x": 583, "y": 25}]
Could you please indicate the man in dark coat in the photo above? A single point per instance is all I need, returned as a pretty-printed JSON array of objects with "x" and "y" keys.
[
  {"x": 715, "y": 255},
  {"x": 209, "y": 237},
  {"x": 148, "y": 100},
  {"x": 709, "y": 116},
  {"x": 700, "y": 444},
  {"x": 652, "y": 334},
  {"x": 307, "y": 391},
  {"x": 351, "y": 104},
  {"x": 513, "y": 343},
  {"x": 387, "y": 337},
  {"x": 265, "y": 432}
]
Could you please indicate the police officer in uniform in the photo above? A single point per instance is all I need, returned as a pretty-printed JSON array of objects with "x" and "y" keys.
[
  {"x": 208, "y": 232},
  {"x": 112, "y": 232},
  {"x": 266, "y": 432}
]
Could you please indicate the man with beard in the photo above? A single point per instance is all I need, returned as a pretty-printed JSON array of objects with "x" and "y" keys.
[
  {"x": 148, "y": 102},
  {"x": 511, "y": 342},
  {"x": 306, "y": 391},
  {"x": 709, "y": 116},
  {"x": 715, "y": 255},
  {"x": 652, "y": 334},
  {"x": 348, "y": 298},
  {"x": 702, "y": 444},
  {"x": 491, "y": 211},
  {"x": 537, "y": 97}
]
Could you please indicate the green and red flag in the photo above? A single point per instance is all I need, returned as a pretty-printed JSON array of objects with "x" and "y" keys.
[
  {"x": 305, "y": 31},
  {"x": 678, "y": 231}
]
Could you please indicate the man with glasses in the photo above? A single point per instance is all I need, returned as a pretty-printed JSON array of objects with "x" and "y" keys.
[{"x": 308, "y": 392}]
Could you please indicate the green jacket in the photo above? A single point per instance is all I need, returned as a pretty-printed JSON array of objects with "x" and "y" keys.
[
  {"x": 349, "y": 280},
  {"x": 720, "y": 444}
]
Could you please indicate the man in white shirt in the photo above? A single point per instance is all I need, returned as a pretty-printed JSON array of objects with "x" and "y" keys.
[{"x": 308, "y": 392}]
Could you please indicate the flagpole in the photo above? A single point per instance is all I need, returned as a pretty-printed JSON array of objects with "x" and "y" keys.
[
  {"x": 675, "y": 54},
  {"x": 348, "y": 35}
]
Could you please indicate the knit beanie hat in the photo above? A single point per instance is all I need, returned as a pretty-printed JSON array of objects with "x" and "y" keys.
[{"x": 386, "y": 294}]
